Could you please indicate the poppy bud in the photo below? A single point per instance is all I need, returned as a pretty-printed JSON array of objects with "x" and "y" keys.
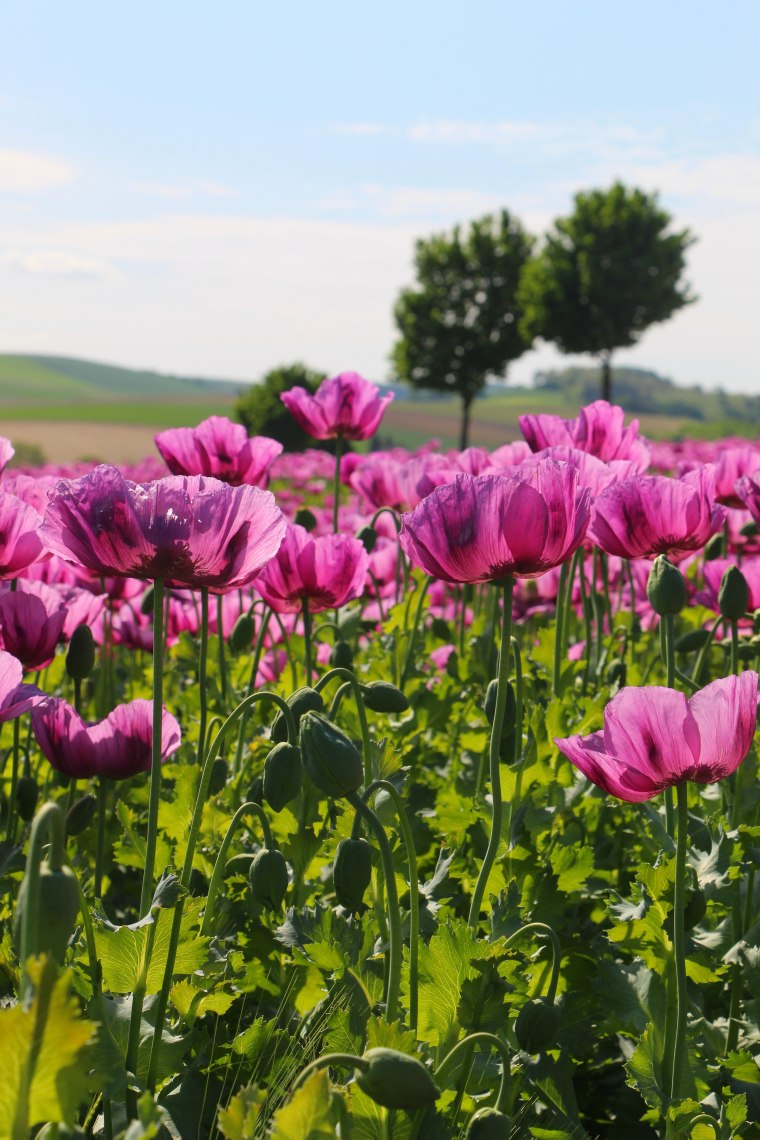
[
  {"x": 692, "y": 641},
  {"x": 440, "y": 629},
  {"x": 301, "y": 701},
  {"x": 146, "y": 602},
  {"x": 506, "y": 746},
  {"x": 219, "y": 773},
  {"x": 58, "y": 901},
  {"x": 489, "y": 1124},
  {"x": 617, "y": 671},
  {"x": 282, "y": 775},
  {"x": 396, "y": 1080},
  {"x": 331, "y": 760},
  {"x": 352, "y": 871},
  {"x": 367, "y": 536},
  {"x": 268, "y": 878},
  {"x": 305, "y": 518},
  {"x": 26, "y": 797},
  {"x": 382, "y": 697},
  {"x": 750, "y": 529},
  {"x": 80, "y": 655},
  {"x": 342, "y": 656},
  {"x": 255, "y": 791},
  {"x": 733, "y": 595},
  {"x": 241, "y": 637},
  {"x": 714, "y": 548},
  {"x": 536, "y": 1025},
  {"x": 79, "y": 816},
  {"x": 666, "y": 588}
]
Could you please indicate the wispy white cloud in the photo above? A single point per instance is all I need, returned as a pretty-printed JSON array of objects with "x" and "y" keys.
[
  {"x": 58, "y": 263},
  {"x": 24, "y": 171},
  {"x": 428, "y": 203},
  {"x": 181, "y": 192}
]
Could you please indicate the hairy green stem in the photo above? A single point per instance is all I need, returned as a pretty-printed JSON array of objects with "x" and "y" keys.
[
  {"x": 559, "y": 624},
  {"x": 155, "y": 763},
  {"x": 494, "y": 1042},
  {"x": 413, "y": 632},
  {"x": 220, "y": 649},
  {"x": 678, "y": 1061},
  {"x": 307, "y": 639}
]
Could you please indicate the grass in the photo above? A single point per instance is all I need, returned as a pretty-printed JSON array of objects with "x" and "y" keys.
[{"x": 159, "y": 413}]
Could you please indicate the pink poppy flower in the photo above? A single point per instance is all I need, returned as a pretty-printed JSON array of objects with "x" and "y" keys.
[
  {"x": 346, "y": 405},
  {"x": 748, "y": 492},
  {"x": 598, "y": 428},
  {"x": 190, "y": 529},
  {"x": 7, "y": 451},
  {"x": 480, "y": 529},
  {"x": 20, "y": 544},
  {"x": 654, "y": 738},
  {"x": 592, "y": 472},
  {"x": 15, "y": 698},
  {"x": 652, "y": 514},
  {"x": 731, "y": 464},
  {"x": 115, "y": 748},
  {"x": 326, "y": 572},
  {"x": 221, "y": 449},
  {"x": 31, "y": 624}
]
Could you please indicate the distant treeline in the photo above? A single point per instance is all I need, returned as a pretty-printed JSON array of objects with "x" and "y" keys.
[{"x": 640, "y": 391}]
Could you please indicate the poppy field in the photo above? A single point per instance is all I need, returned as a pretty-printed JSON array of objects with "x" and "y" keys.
[{"x": 395, "y": 795}]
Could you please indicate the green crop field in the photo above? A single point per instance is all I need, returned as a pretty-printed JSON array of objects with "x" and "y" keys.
[{"x": 159, "y": 413}]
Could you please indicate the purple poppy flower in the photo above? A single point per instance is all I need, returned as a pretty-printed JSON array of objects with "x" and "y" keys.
[
  {"x": 482, "y": 529},
  {"x": 115, "y": 748},
  {"x": 326, "y": 572},
  {"x": 346, "y": 405},
  {"x": 190, "y": 530},
  {"x": 31, "y": 624},
  {"x": 598, "y": 428},
  {"x": 15, "y": 698},
  {"x": 20, "y": 543},
  {"x": 220, "y": 449},
  {"x": 652, "y": 514},
  {"x": 654, "y": 738}
]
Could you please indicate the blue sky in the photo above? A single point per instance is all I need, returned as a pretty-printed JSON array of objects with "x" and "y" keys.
[{"x": 216, "y": 190}]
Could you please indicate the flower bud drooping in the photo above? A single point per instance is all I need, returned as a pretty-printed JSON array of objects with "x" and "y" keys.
[
  {"x": 536, "y": 1026},
  {"x": 80, "y": 655},
  {"x": 733, "y": 595},
  {"x": 331, "y": 760},
  {"x": 342, "y": 656},
  {"x": 489, "y": 1124},
  {"x": 305, "y": 518},
  {"x": 26, "y": 797},
  {"x": 268, "y": 877},
  {"x": 352, "y": 872},
  {"x": 58, "y": 902},
  {"x": 241, "y": 637},
  {"x": 666, "y": 588},
  {"x": 367, "y": 536},
  {"x": 80, "y": 814},
  {"x": 396, "y": 1080},
  {"x": 282, "y": 775},
  {"x": 301, "y": 701},
  {"x": 382, "y": 697}
]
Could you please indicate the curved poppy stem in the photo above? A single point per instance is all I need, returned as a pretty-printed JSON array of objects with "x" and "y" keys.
[
  {"x": 48, "y": 826},
  {"x": 494, "y": 1042},
  {"x": 328, "y": 1061},
  {"x": 249, "y": 808},
  {"x": 257, "y": 650},
  {"x": 349, "y": 678},
  {"x": 155, "y": 762},
  {"x": 493, "y": 753}
]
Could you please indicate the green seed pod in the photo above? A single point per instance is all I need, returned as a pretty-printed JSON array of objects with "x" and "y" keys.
[
  {"x": 282, "y": 775},
  {"x": 80, "y": 814},
  {"x": 241, "y": 638},
  {"x": 26, "y": 797},
  {"x": 305, "y": 518},
  {"x": 666, "y": 588},
  {"x": 367, "y": 536},
  {"x": 146, "y": 602},
  {"x": 440, "y": 629},
  {"x": 692, "y": 641},
  {"x": 331, "y": 760},
  {"x": 80, "y": 655},
  {"x": 714, "y": 548},
  {"x": 489, "y": 1124},
  {"x": 219, "y": 773},
  {"x": 750, "y": 529},
  {"x": 301, "y": 701},
  {"x": 268, "y": 878},
  {"x": 255, "y": 791},
  {"x": 507, "y": 743},
  {"x": 382, "y": 697},
  {"x": 58, "y": 910},
  {"x": 733, "y": 595},
  {"x": 617, "y": 671},
  {"x": 536, "y": 1026},
  {"x": 352, "y": 871},
  {"x": 342, "y": 656},
  {"x": 396, "y": 1080}
]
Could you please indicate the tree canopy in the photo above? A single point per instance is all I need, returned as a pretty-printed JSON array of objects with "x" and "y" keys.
[
  {"x": 605, "y": 274},
  {"x": 262, "y": 412},
  {"x": 461, "y": 324}
]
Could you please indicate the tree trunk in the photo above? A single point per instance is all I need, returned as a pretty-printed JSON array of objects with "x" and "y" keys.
[
  {"x": 606, "y": 358},
  {"x": 464, "y": 426}
]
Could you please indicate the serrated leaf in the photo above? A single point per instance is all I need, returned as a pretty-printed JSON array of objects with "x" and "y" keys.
[
  {"x": 58, "y": 1077},
  {"x": 572, "y": 866},
  {"x": 444, "y": 965},
  {"x": 121, "y": 952},
  {"x": 308, "y": 1114},
  {"x": 390, "y": 1035},
  {"x": 644, "y": 1072},
  {"x": 239, "y": 1119},
  {"x": 188, "y": 999}
]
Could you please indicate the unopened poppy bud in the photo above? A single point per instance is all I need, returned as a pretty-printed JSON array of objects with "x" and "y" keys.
[
  {"x": 331, "y": 760},
  {"x": 80, "y": 655},
  {"x": 352, "y": 872},
  {"x": 733, "y": 595},
  {"x": 241, "y": 637},
  {"x": 383, "y": 697},
  {"x": 692, "y": 641},
  {"x": 268, "y": 878},
  {"x": 666, "y": 588},
  {"x": 26, "y": 797},
  {"x": 58, "y": 902},
  {"x": 440, "y": 629},
  {"x": 396, "y": 1080},
  {"x": 282, "y": 775},
  {"x": 750, "y": 529},
  {"x": 255, "y": 793},
  {"x": 506, "y": 746},
  {"x": 489, "y": 1124},
  {"x": 219, "y": 773},
  {"x": 301, "y": 701},
  {"x": 536, "y": 1026},
  {"x": 305, "y": 518},
  {"x": 617, "y": 672},
  {"x": 80, "y": 814},
  {"x": 714, "y": 548},
  {"x": 342, "y": 656},
  {"x": 146, "y": 602},
  {"x": 367, "y": 536}
]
